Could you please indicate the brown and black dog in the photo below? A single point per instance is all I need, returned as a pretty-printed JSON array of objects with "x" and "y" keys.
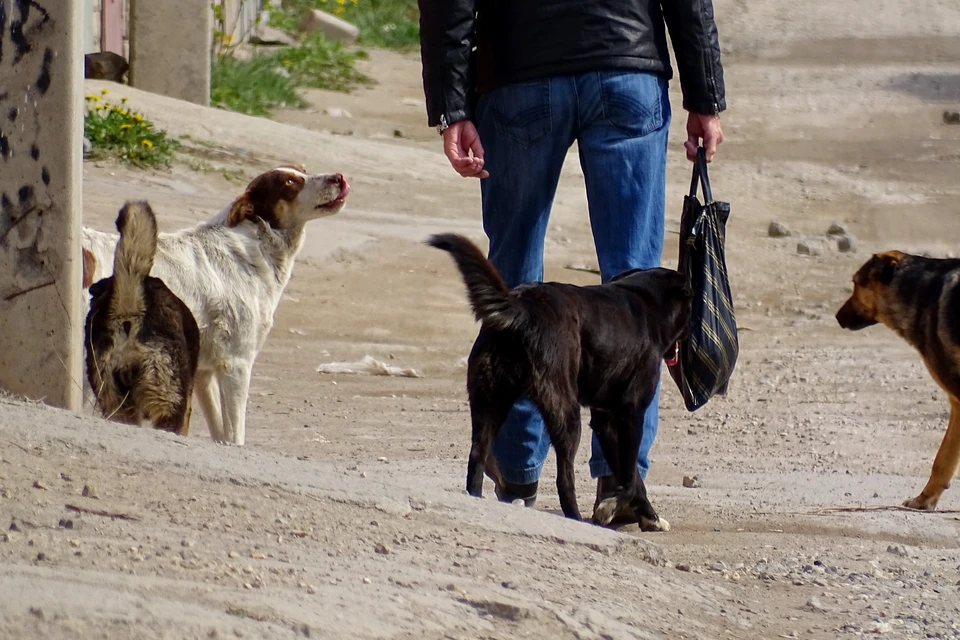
[
  {"x": 919, "y": 299},
  {"x": 564, "y": 346},
  {"x": 142, "y": 341}
]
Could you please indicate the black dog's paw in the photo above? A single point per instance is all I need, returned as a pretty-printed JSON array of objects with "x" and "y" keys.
[{"x": 654, "y": 525}]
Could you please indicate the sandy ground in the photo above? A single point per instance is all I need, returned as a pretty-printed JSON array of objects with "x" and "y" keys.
[{"x": 344, "y": 515}]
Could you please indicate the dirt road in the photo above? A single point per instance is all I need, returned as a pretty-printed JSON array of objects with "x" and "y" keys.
[{"x": 344, "y": 515}]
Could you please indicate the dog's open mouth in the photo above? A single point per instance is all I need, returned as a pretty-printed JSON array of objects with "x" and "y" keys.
[
  {"x": 338, "y": 201},
  {"x": 675, "y": 358}
]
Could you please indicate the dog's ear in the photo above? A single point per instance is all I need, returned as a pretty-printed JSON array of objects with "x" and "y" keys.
[
  {"x": 89, "y": 267},
  {"x": 883, "y": 266},
  {"x": 624, "y": 274},
  {"x": 240, "y": 210}
]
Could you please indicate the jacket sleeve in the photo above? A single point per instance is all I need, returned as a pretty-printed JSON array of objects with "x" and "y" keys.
[
  {"x": 447, "y": 37},
  {"x": 697, "y": 50}
]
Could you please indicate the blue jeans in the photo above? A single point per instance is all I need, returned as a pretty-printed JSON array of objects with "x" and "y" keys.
[{"x": 620, "y": 122}]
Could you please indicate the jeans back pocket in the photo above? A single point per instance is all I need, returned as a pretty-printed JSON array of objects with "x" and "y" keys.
[
  {"x": 522, "y": 111},
  {"x": 633, "y": 101}
]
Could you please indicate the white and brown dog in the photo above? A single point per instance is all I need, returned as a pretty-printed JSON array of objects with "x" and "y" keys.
[{"x": 231, "y": 271}]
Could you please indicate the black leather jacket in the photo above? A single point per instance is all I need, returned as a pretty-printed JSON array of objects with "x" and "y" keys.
[{"x": 519, "y": 40}]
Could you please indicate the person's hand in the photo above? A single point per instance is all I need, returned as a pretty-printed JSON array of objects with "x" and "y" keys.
[
  {"x": 706, "y": 127},
  {"x": 460, "y": 140}
]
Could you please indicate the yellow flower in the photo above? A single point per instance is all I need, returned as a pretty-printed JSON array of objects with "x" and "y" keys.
[
  {"x": 125, "y": 126},
  {"x": 338, "y": 10},
  {"x": 104, "y": 91},
  {"x": 146, "y": 143},
  {"x": 340, "y": 1},
  {"x": 124, "y": 100},
  {"x": 138, "y": 117}
]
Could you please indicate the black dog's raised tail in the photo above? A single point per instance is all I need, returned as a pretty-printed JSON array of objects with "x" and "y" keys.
[{"x": 489, "y": 296}]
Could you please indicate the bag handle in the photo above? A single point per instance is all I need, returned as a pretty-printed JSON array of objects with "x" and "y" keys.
[{"x": 700, "y": 174}]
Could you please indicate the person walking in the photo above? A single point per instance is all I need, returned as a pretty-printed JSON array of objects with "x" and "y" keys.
[{"x": 510, "y": 85}]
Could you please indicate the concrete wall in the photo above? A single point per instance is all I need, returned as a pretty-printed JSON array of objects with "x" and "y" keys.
[
  {"x": 170, "y": 48},
  {"x": 40, "y": 189}
]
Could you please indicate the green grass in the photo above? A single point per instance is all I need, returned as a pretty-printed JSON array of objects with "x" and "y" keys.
[
  {"x": 255, "y": 86},
  {"x": 322, "y": 64},
  {"x": 386, "y": 24},
  {"x": 116, "y": 131},
  {"x": 268, "y": 81}
]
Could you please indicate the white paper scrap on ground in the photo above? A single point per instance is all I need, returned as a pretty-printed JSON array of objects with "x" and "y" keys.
[{"x": 370, "y": 366}]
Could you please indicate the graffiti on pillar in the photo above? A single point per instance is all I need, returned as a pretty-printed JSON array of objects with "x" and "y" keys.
[{"x": 26, "y": 75}]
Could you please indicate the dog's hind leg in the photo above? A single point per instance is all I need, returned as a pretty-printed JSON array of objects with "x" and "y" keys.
[
  {"x": 486, "y": 416},
  {"x": 208, "y": 394},
  {"x": 564, "y": 430},
  {"x": 945, "y": 465}
]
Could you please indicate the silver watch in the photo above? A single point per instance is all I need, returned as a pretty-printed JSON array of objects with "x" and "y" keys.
[{"x": 443, "y": 126}]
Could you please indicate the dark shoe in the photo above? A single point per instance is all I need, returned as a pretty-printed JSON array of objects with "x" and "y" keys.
[
  {"x": 605, "y": 510},
  {"x": 508, "y": 491}
]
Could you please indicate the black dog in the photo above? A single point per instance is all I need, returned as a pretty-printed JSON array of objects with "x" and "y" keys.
[{"x": 564, "y": 346}]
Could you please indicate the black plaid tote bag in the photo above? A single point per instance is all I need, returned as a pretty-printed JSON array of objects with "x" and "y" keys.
[{"x": 708, "y": 354}]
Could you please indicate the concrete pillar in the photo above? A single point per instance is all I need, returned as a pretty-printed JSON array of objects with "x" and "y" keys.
[
  {"x": 41, "y": 120},
  {"x": 170, "y": 48}
]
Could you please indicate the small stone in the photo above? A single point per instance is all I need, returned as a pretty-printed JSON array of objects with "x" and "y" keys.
[
  {"x": 718, "y": 566},
  {"x": 39, "y": 485},
  {"x": 366, "y": 581},
  {"x": 778, "y": 230},
  {"x": 808, "y": 248},
  {"x": 233, "y": 554},
  {"x": 187, "y": 543},
  {"x": 691, "y": 483},
  {"x": 814, "y": 605},
  {"x": 90, "y": 491},
  {"x": 270, "y": 37},
  {"x": 337, "y": 112},
  {"x": 382, "y": 459},
  {"x": 683, "y": 567},
  {"x": 312, "y": 590},
  {"x": 363, "y": 474},
  {"x": 837, "y": 229},
  {"x": 846, "y": 244},
  {"x": 41, "y": 556},
  {"x": 901, "y": 550},
  {"x": 951, "y": 117},
  {"x": 381, "y": 548}
]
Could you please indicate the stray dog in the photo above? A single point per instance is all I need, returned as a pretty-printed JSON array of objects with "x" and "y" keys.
[
  {"x": 105, "y": 65},
  {"x": 564, "y": 346},
  {"x": 142, "y": 341},
  {"x": 231, "y": 272},
  {"x": 919, "y": 298}
]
